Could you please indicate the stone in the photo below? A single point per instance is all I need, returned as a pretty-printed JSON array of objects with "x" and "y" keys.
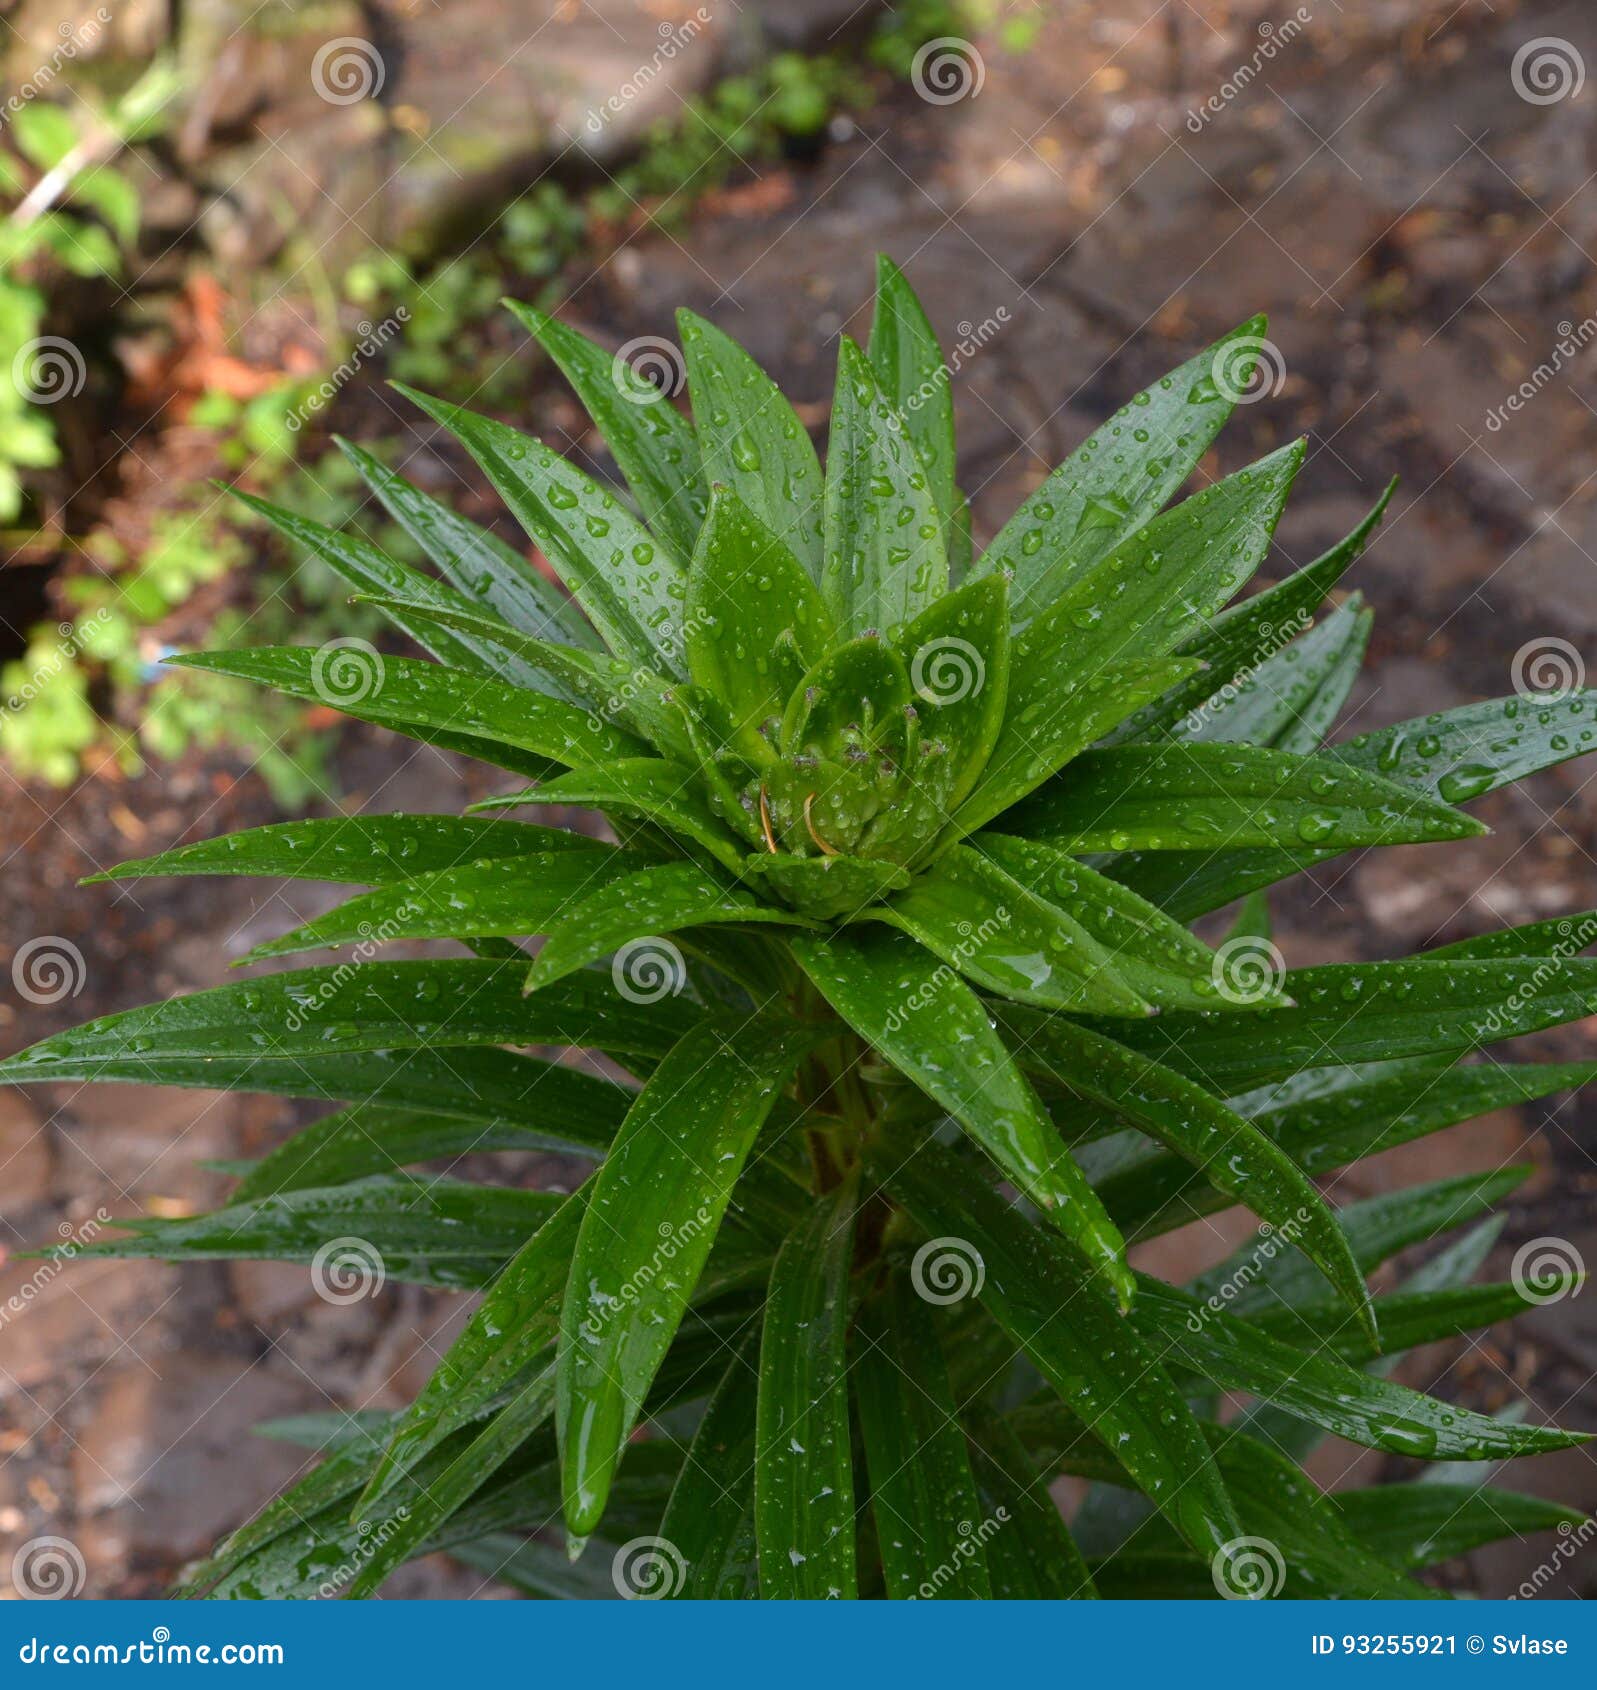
[{"x": 25, "y": 1155}]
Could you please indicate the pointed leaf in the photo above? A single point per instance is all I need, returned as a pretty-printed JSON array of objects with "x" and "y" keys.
[
  {"x": 1414, "y": 1526},
  {"x": 885, "y": 558},
  {"x": 1033, "y": 1558},
  {"x": 651, "y": 440},
  {"x": 673, "y": 1165},
  {"x": 750, "y": 440},
  {"x": 936, "y": 1032},
  {"x": 914, "y": 379}
]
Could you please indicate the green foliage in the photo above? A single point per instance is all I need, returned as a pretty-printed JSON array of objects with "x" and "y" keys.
[{"x": 903, "y": 1073}]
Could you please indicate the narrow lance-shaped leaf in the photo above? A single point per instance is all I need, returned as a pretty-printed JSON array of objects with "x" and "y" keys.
[
  {"x": 803, "y": 1460},
  {"x": 673, "y": 1166},
  {"x": 936, "y": 1031},
  {"x": 652, "y": 441},
  {"x": 475, "y": 560}
]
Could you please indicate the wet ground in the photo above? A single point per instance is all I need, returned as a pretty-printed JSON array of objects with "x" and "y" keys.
[{"x": 1421, "y": 235}]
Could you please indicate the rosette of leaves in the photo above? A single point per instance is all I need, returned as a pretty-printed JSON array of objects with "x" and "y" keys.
[{"x": 896, "y": 1029}]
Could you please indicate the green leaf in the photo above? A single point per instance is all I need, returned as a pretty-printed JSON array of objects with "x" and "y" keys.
[
  {"x": 367, "y": 1139},
  {"x": 1045, "y": 727},
  {"x": 986, "y": 924},
  {"x": 657, "y": 790},
  {"x": 885, "y": 558},
  {"x": 1157, "y": 958},
  {"x": 630, "y": 584},
  {"x": 673, "y": 1165},
  {"x": 1415, "y": 1525},
  {"x": 428, "y": 702},
  {"x": 1325, "y": 1391},
  {"x": 909, "y": 367},
  {"x": 1559, "y": 937},
  {"x": 355, "y": 849},
  {"x": 1248, "y": 634},
  {"x": 475, "y": 560},
  {"x": 1187, "y": 795},
  {"x": 427, "y": 1230},
  {"x": 639, "y": 905},
  {"x": 510, "y": 1332},
  {"x": 1371, "y": 1012},
  {"x": 749, "y": 602},
  {"x": 1108, "y": 488},
  {"x": 1094, "y": 1359},
  {"x": 803, "y": 1459},
  {"x": 403, "y": 593},
  {"x": 937, "y": 1032},
  {"x": 751, "y": 441},
  {"x": 539, "y": 1570},
  {"x": 825, "y": 887},
  {"x": 653, "y": 443},
  {"x": 1235, "y": 1155},
  {"x": 930, "y": 1523},
  {"x": 709, "y": 1520},
  {"x": 512, "y": 896}
]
